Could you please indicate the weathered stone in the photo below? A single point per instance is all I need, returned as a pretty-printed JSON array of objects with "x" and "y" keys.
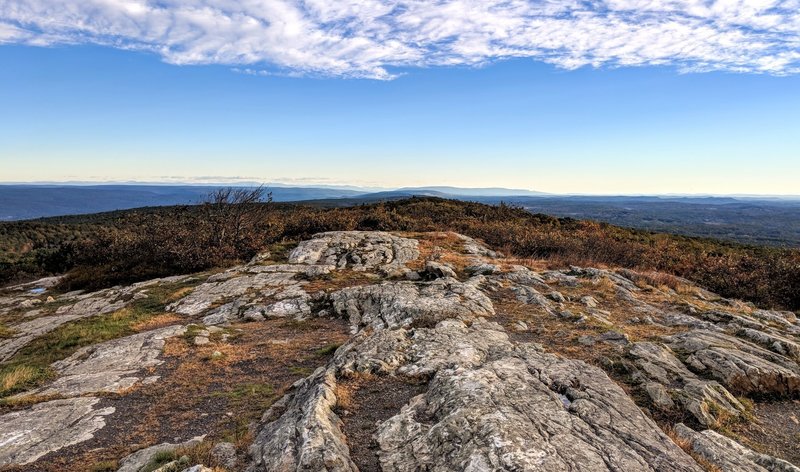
[
  {"x": 482, "y": 269},
  {"x": 142, "y": 457},
  {"x": 619, "y": 278},
  {"x": 453, "y": 343},
  {"x": 729, "y": 455},
  {"x": 27, "y": 435},
  {"x": 509, "y": 407},
  {"x": 245, "y": 287},
  {"x": 198, "y": 468},
  {"x": 531, "y": 296},
  {"x": 111, "y": 366},
  {"x": 472, "y": 246},
  {"x": 659, "y": 396},
  {"x": 358, "y": 250},
  {"x": 435, "y": 270},
  {"x": 224, "y": 454},
  {"x": 783, "y": 345},
  {"x": 523, "y": 276},
  {"x": 520, "y": 326},
  {"x": 307, "y": 435},
  {"x": 741, "y": 366},
  {"x": 527, "y": 412},
  {"x": 560, "y": 278},
  {"x": 261, "y": 257},
  {"x": 399, "y": 303},
  {"x": 614, "y": 337},
  {"x": 703, "y": 399},
  {"x": 291, "y": 308},
  {"x": 590, "y": 302}
]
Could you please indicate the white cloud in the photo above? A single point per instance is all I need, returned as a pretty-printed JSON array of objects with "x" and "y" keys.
[{"x": 371, "y": 38}]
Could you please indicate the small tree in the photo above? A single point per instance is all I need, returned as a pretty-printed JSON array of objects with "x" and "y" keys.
[{"x": 233, "y": 214}]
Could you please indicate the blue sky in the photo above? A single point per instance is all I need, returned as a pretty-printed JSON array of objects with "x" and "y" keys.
[{"x": 94, "y": 112}]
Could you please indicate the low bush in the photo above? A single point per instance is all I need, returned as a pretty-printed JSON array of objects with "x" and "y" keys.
[{"x": 124, "y": 247}]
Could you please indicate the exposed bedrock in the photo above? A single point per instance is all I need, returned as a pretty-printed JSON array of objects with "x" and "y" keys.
[
  {"x": 743, "y": 367},
  {"x": 728, "y": 455},
  {"x": 357, "y": 250},
  {"x": 490, "y": 405},
  {"x": 29, "y": 434}
]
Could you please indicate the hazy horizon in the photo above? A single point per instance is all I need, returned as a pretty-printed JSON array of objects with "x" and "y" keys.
[{"x": 370, "y": 189}]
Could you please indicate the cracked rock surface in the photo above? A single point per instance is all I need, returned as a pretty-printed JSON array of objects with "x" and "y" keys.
[
  {"x": 29, "y": 434},
  {"x": 729, "y": 455},
  {"x": 513, "y": 368},
  {"x": 358, "y": 250},
  {"x": 111, "y": 366}
]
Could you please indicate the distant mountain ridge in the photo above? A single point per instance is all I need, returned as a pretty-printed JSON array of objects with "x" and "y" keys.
[
  {"x": 20, "y": 202},
  {"x": 757, "y": 220},
  {"x": 27, "y": 201}
]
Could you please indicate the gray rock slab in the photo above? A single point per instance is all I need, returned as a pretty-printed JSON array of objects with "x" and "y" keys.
[
  {"x": 46, "y": 427},
  {"x": 729, "y": 455},
  {"x": 357, "y": 250},
  {"x": 110, "y": 366}
]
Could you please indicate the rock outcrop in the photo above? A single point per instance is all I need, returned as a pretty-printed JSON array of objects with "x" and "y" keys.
[
  {"x": 667, "y": 381},
  {"x": 29, "y": 434},
  {"x": 505, "y": 363},
  {"x": 112, "y": 366},
  {"x": 357, "y": 250},
  {"x": 394, "y": 304},
  {"x": 741, "y": 366},
  {"x": 729, "y": 455}
]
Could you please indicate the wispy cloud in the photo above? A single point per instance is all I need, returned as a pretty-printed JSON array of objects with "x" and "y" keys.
[{"x": 372, "y": 38}]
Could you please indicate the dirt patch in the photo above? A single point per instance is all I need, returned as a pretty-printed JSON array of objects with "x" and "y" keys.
[
  {"x": 203, "y": 393},
  {"x": 774, "y": 430},
  {"x": 365, "y": 402},
  {"x": 443, "y": 247}
]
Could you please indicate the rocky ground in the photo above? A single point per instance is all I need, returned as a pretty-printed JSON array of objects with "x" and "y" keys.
[{"x": 398, "y": 352}]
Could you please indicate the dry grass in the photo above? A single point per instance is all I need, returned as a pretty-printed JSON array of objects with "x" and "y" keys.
[
  {"x": 24, "y": 401},
  {"x": 6, "y": 332},
  {"x": 661, "y": 281},
  {"x": 180, "y": 293},
  {"x": 536, "y": 265},
  {"x": 158, "y": 321},
  {"x": 200, "y": 454},
  {"x": 16, "y": 378},
  {"x": 605, "y": 286},
  {"x": 442, "y": 247},
  {"x": 345, "y": 391},
  {"x": 686, "y": 445}
]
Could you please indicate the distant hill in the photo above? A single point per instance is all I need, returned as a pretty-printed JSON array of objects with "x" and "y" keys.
[
  {"x": 20, "y": 202},
  {"x": 753, "y": 221},
  {"x": 749, "y": 220},
  {"x": 472, "y": 192}
]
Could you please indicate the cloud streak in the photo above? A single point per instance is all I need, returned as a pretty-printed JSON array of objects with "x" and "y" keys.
[{"x": 373, "y": 38}]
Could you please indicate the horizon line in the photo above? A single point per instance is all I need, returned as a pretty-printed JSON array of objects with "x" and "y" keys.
[{"x": 375, "y": 189}]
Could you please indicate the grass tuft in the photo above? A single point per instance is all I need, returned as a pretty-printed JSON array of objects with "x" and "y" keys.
[
  {"x": 16, "y": 378},
  {"x": 327, "y": 350},
  {"x": 30, "y": 367},
  {"x": 6, "y": 332}
]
